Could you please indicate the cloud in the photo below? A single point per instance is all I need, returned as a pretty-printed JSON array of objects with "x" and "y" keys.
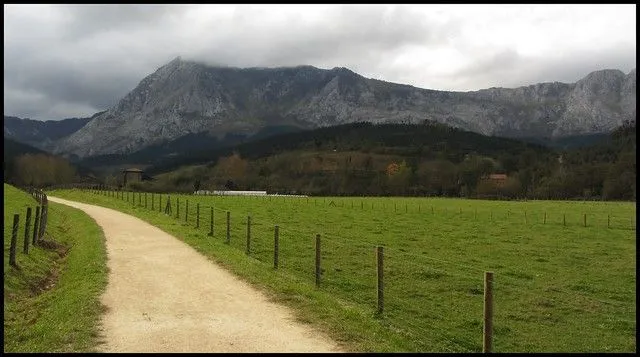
[{"x": 74, "y": 60}]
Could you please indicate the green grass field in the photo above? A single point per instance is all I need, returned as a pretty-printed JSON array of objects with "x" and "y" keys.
[
  {"x": 559, "y": 286},
  {"x": 51, "y": 301}
]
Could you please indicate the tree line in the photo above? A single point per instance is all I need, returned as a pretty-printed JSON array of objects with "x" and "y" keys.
[{"x": 415, "y": 160}]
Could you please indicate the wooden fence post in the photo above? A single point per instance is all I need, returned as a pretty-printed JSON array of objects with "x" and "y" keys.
[
  {"x": 152, "y": 205},
  {"x": 145, "y": 200},
  {"x": 545, "y": 218},
  {"x": 248, "y": 234},
  {"x": 211, "y": 223},
  {"x": 228, "y": 227},
  {"x": 127, "y": 196},
  {"x": 140, "y": 199},
  {"x": 318, "y": 260},
  {"x": 43, "y": 221},
  {"x": 36, "y": 224},
  {"x": 27, "y": 225},
  {"x": 488, "y": 312},
  {"x": 198, "y": 215},
  {"x": 564, "y": 219},
  {"x": 380, "y": 279},
  {"x": 177, "y": 207},
  {"x": 608, "y": 221},
  {"x": 14, "y": 240},
  {"x": 276, "y": 234}
]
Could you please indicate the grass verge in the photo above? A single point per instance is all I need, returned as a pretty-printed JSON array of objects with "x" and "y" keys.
[{"x": 52, "y": 300}]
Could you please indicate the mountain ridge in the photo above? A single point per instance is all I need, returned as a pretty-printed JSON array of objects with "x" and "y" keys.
[{"x": 188, "y": 97}]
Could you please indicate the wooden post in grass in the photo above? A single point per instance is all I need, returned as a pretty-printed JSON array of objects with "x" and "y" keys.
[
  {"x": 36, "y": 224},
  {"x": 160, "y": 202},
  {"x": 228, "y": 227},
  {"x": 27, "y": 225},
  {"x": 248, "y": 234},
  {"x": 177, "y": 207},
  {"x": 43, "y": 221},
  {"x": 198, "y": 215},
  {"x": 380, "y": 251},
  {"x": 140, "y": 199},
  {"x": 152, "y": 203},
  {"x": 276, "y": 236},
  {"x": 525, "y": 217},
  {"x": 361, "y": 204},
  {"x": 488, "y": 312},
  {"x": 186, "y": 212},
  {"x": 211, "y": 223},
  {"x": 585, "y": 219},
  {"x": 545, "y": 218},
  {"x": 564, "y": 219},
  {"x": 608, "y": 221},
  {"x": 14, "y": 240},
  {"x": 317, "y": 260}
]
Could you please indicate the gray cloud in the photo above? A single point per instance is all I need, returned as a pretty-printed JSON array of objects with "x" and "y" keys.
[{"x": 68, "y": 60}]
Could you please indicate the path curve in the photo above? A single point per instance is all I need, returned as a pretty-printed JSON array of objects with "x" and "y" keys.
[{"x": 164, "y": 296}]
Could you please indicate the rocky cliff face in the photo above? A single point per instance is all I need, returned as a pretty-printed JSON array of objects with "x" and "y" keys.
[{"x": 187, "y": 97}]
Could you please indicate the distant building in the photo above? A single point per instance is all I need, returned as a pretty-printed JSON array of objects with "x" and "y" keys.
[
  {"x": 131, "y": 175},
  {"x": 498, "y": 179}
]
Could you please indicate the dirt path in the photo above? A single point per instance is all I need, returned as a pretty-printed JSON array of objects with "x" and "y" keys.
[{"x": 163, "y": 296}]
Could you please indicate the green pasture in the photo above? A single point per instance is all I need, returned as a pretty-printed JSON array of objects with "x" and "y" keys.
[
  {"x": 52, "y": 298},
  {"x": 560, "y": 284}
]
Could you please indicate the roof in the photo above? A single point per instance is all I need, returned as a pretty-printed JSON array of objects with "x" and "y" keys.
[
  {"x": 498, "y": 176},
  {"x": 132, "y": 170}
]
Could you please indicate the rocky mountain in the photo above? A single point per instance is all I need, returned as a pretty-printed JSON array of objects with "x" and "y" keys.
[
  {"x": 186, "y": 97},
  {"x": 41, "y": 134}
]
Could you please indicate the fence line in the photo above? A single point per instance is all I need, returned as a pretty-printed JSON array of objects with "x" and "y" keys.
[
  {"x": 39, "y": 224},
  {"x": 254, "y": 226}
]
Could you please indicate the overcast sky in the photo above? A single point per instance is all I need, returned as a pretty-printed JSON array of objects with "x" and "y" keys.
[{"x": 64, "y": 61}]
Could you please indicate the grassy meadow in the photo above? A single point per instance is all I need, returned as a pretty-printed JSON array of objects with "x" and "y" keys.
[
  {"x": 51, "y": 300},
  {"x": 559, "y": 286}
]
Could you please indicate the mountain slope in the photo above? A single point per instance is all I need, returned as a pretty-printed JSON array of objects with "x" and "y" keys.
[
  {"x": 41, "y": 134},
  {"x": 186, "y": 97}
]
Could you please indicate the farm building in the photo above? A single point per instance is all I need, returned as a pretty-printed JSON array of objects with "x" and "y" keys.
[
  {"x": 498, "y": 179},
  {"x": 131, "y": 175}
]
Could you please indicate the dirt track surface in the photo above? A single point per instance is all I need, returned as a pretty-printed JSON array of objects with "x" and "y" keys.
[{"x": 163, "y": 296}]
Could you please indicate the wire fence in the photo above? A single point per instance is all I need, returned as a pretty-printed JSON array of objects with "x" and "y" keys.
[
  {"x": 33, "y": 233},
  {"x": 420, "y": 289}
]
